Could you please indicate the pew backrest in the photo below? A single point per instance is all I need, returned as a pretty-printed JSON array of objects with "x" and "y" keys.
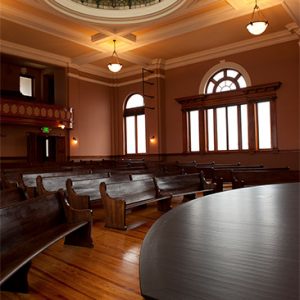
[
  {"x": 119, "y": 197},
  {"x": 30, "y": 226},
  {"x": 132, "y": 192},
  {"x": 11, "y": 196},
  {"x": 181, "y": 185},
  {"x": 243, "y": 178}
]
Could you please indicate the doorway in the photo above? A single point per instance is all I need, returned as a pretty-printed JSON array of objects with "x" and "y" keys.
[{"x": 45, "y": 148}]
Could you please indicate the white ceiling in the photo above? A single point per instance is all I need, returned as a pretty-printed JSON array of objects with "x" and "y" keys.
[{"x": 196, "y": 30}]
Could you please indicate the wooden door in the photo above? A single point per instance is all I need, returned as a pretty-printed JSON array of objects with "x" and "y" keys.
[{"x": 43, "y": 148}]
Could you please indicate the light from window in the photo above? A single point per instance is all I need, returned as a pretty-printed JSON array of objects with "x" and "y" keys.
[
  {"x": 242, "y": 82},
  {"x": 232, "y": 128},
  {"x": 210, "y": 125},
  {"x": 194, "y": 130},
  {"x": 135, "y": 124},
  {"x": 218, "y": 76},
  {"x": 264, "y": 125},
  {"x": 210, "y": 88},
  {"x": 130, "y": 134},
  {"x": 232, "y": 73},
  {"x": 47, "y": 147},
  {"x": 135, "y": 100},
  {"x": 26, "y": 86},
  {"x": 141, "y": 133},
  {"x": 221, "y": 128},
  {"x": 225, "y": 86},
  {"x": 244, "y": 125}
]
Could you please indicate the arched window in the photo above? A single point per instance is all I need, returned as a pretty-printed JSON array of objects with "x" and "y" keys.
[
  {"x": 226, "y": 119},
  {"x": 225, "y": 126},
  {"x": 135, "y": 125},
  {"x": 225, "y": 80}
]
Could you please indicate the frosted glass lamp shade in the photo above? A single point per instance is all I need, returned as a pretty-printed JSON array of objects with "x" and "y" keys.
[
  {"x": 257, "y": 27},
  {"x": 114, "y": 67}
]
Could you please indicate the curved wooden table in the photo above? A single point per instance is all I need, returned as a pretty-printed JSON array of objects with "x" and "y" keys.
[{"x": 238, "y": 244}]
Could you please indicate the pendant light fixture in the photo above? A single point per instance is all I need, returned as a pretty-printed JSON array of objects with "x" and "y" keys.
[
  {"x": 258, "y": 23},
  {"x": 114, "y": 65}
]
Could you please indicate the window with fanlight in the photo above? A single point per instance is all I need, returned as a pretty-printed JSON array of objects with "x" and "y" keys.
[
  {"x": 230, "y": 115},
  {"x": 135, "y": 125}
]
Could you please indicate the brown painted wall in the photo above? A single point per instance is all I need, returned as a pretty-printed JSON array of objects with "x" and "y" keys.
[
  {"x": 14, "y": 139},
  {"x": 98, "y": 110},
  {"x": 269, "y": 64},
  {"x": 92, "y": 118}
]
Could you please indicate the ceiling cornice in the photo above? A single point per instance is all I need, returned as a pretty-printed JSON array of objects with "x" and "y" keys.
[
  {"x": 219, "y": 52},
  {"x": 34, "y": 54}
]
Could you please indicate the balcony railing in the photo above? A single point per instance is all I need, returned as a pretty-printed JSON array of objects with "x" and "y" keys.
[{"x": 36, "y": 114}]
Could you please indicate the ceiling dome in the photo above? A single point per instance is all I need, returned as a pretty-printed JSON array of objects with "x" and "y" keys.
[
  {"x": 116, "y": 11},
  {"x": 117, "y": 4}
]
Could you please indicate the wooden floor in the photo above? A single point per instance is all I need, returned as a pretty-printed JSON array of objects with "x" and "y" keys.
[{"x": 108, "y": 271}]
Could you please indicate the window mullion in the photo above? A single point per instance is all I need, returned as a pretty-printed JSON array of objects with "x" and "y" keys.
[
  {"x": 186, "y": 141},
  {"x": 273, "y": 125},
  {"x": 202, "y": 131},
  {"x": 252, "y": 127}
]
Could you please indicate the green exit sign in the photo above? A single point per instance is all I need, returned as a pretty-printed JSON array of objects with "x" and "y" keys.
[{"x": 45, "y": 129}]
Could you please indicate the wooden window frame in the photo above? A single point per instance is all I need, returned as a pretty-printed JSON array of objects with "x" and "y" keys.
[
  {"x": 250, "y": 96},
  {"x": 32, "y": 85},
  {"x": 135, "y": 112}
]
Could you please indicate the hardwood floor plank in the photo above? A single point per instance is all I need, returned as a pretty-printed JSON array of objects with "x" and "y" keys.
[
  {"x": 109, "y": 271},
  {"x": 93, "y": 283}
]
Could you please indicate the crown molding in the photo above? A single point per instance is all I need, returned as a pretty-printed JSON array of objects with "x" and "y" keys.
[
  {"x": 34, "y": 54},
  {"x": 84, "y": 78},
  {"x": 290, "y": 34}
]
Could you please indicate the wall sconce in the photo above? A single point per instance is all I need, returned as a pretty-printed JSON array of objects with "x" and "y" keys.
[
  {"x": 152, "y": 139},
  {"x": 61, "y": 126},
  {"x": 74, "y": 141}
]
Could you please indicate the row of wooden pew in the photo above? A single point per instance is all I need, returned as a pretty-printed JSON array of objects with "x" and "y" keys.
[
  {"x": 43, "y": 207},
  {"x": 31, "y": 225}
]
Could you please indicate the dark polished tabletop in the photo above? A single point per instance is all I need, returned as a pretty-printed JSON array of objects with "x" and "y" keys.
[{"x": 235, "y": 245}]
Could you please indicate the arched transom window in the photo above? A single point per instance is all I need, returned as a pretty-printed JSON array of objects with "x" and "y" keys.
[
  {"x": 135, "y": 125},
  {"x": 225, "y": 80}
]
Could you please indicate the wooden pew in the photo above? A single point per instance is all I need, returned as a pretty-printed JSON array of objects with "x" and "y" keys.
[
  {"x": 226, "y": 173},
  {"x": 188, "y": 185},
  {"x": 29, "y": 179},
  {"x": 11, "y": 196},
  {"x": 59, "y": 182},
  {"x": 242, "y": 178},
  {"x": 119, "y": 197},
  {"x": 81, "y": 192},
  {"x": 6, "y": 184},
  {"x": 29, "y": 227},
  {"x": 141, "y": 176}
]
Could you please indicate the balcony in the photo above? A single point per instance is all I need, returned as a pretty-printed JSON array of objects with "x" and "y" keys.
[{"x": 35, "y": 114}]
